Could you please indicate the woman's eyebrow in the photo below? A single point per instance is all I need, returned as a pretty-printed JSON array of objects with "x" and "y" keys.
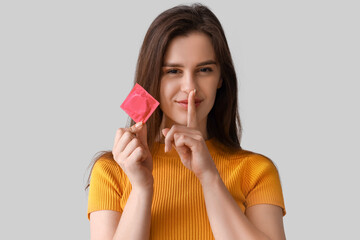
[
  {"x": 208, "y": 62},
  {"x": 172, "y": 65}
]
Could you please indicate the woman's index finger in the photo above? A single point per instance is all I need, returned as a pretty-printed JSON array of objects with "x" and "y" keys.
[{"x": 191, "y": 113}]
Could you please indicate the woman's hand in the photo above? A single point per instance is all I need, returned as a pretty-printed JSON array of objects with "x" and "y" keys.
[
  {"x": 132, "y": 153},
  {"x": 190, "y": 144}
]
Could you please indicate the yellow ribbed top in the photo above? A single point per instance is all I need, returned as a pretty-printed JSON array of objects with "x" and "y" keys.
[{"x": 178, "y": 208}]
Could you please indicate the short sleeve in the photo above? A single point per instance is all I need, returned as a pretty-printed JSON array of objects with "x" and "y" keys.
[
  {"x": 262, "y": 182},
  {"x": 105, "y": 190}
]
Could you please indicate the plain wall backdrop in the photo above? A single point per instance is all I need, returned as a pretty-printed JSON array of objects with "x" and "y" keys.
[{"x": 66, "y": 66}]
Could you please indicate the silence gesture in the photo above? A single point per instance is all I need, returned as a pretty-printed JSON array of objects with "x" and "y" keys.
[{"x": 190, "y": 144}]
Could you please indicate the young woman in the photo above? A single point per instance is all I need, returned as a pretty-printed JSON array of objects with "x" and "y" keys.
[{"x": 183, "y": 174}]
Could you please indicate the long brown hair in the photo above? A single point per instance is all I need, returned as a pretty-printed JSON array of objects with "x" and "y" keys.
[{"x": 223, "y": 121}]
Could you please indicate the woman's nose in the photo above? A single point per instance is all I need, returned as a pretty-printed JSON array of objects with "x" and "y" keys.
[{"x": 188, "y": 83}]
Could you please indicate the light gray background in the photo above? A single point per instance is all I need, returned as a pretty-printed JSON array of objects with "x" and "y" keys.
[{"x": 66, "y": 66}]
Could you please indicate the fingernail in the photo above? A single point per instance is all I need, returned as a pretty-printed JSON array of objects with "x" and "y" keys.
[
  {"x": 194, "y": 91},
  {"x": 138, "y": 125},
  {"x": 166, "y": 149}
]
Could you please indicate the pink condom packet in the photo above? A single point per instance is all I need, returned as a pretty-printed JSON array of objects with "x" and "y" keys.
[{"x": 139, "y": 104}]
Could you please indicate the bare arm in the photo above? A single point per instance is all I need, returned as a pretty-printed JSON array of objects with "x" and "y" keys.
[
  {"x": 263, "y": 221},
  {"x": 133, "y": 223},
  {"x": 226, "y": 218},
  {"x": 131, "y": 152}
]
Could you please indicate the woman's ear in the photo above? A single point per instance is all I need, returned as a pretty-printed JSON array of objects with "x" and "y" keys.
[{"x": 220, "y": 83}]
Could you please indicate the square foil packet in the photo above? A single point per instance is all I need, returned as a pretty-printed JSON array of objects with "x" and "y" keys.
[{"x": 139, "y": 104}]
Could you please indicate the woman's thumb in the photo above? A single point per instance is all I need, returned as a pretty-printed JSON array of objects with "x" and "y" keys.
[{"x": 141, "y": 133}]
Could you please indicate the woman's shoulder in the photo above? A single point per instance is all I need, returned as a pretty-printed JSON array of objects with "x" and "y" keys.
[
  {"x": 104, "y": 161},
  {"x": 247, "y": 157},
  {"x": 257, "y": 162},
  {"x": 255, "y": 156},
  {"x": 236, "y": 153}
]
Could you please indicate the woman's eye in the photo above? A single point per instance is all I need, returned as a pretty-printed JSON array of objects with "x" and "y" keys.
[
  {"x": 172, "y": 71},
  {"x": 207, "y": 69}
]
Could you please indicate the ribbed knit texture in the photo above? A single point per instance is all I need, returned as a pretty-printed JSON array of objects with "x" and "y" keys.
[{"x": 178, "y": 208}]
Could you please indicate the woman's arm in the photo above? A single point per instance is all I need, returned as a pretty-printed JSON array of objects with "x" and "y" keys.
[
  {"x": 132, "y": 153},
  {"x": 133, "y": 223},
  {"x": 263, "y": 221},
  {"x": 226, "y": 218}
]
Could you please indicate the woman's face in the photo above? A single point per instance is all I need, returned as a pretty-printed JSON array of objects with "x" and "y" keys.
[{"x": 189, "y": 63}]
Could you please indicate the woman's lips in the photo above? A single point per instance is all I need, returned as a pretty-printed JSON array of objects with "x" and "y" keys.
[{"x": 185, "y": 104}]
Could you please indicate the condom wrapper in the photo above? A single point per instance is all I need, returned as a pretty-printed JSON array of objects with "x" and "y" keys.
[{"x": 139, "y": 104}]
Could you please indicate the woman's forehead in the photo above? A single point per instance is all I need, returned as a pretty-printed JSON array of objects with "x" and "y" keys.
[{"x": 193, "y": 48}]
